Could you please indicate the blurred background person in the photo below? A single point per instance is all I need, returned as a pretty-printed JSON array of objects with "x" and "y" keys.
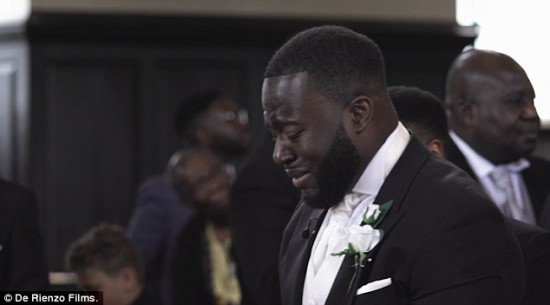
[
  {"x": 104, "y": 259},
  {"x": 22, "y": 262},
  {"x": 210, "y": 120},
  {"x": 424, "y": 114},
  {"x": 494, "y": 128},
  {"x": 204, "y": 271}
]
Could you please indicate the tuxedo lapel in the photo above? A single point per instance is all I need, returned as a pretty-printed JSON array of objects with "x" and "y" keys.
[
  {"x": 344, "y": 287},
  {"x": 537, "y": 181},
  {"x": 399, "y": 180},
  {"x": 301, "y": 242},
  {"x": 395, "y": 188},
  {"x": 454, "y": 155}
]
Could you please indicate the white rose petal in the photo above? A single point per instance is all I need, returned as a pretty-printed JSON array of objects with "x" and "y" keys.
[
  {"x": 363, "y": 238},
  {"x": 373, "y": 210}
]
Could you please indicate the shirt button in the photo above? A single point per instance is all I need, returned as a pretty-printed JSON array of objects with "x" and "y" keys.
[{"x": 311, "y": 302}]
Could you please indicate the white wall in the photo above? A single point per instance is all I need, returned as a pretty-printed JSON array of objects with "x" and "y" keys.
[
  {"x": 400, "y": 10},
  {"x": 14, "y": 12}
]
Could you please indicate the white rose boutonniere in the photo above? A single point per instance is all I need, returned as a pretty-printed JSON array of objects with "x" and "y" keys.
[{"x": 363, "y": 238}]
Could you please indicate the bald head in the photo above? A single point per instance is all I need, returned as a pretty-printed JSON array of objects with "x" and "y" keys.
[
  {"x": 476, "y": 69},
  {"x": 490, "y": 105}
]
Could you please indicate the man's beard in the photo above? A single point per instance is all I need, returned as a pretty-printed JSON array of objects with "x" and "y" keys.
[{"x": 337, "y": 172}]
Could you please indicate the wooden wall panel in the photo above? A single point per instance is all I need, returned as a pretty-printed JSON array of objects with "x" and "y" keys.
[{"x": 87, "y": 156}]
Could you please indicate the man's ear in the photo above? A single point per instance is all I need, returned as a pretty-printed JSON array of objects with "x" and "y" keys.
[
  {"x": 361, "y": 112},
  {"x": 436, "y": 147},
  {"x": 466, "y": 112}
]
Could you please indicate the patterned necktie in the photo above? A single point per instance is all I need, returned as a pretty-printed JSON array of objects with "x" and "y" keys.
[{"x": 503, "y": 181}]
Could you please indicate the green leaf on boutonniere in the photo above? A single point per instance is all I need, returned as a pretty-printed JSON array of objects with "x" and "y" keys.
[{"x": 374, "y": 220}]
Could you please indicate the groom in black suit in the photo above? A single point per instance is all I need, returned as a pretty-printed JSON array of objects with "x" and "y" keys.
[{"x": 439, "y": 241}]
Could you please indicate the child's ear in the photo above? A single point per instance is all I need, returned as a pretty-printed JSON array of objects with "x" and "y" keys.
[{"x": 129, "y": 276}]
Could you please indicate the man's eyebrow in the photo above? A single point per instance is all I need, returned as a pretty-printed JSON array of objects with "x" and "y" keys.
[
  {"x": 278, "y": 121},
  {"x": 282, "y": 123}
]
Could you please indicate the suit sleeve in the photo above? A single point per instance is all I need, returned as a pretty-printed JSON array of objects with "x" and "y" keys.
[
  {"x": 147, "y": 227},
  {"x": 27, "y": 264}
]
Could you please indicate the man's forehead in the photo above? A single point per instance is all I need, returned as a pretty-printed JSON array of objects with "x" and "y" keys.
[{"x": 284, "y": 86}]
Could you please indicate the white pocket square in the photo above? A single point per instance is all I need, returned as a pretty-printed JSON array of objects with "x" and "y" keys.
[{"x": 372, "y": 286}]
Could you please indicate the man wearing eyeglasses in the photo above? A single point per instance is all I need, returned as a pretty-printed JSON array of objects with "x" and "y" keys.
[{"x": 208, "y": 120}]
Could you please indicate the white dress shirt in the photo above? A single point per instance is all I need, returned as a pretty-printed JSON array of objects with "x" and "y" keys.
[
  {"x": 321, "y": 272},
  {"x": 483, "y": 168}
]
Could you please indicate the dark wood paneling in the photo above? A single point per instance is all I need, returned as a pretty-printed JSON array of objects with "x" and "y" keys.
[
  {"x": 103, "y": 121},
  {"x": 105, "y": 90},
  {"x": 87, "y": 156}
]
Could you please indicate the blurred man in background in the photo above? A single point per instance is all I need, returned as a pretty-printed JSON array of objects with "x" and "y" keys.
[{"x": 209, "y": 120}]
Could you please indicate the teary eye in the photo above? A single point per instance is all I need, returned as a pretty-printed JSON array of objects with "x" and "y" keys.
[{"x": 295, "y": 135}]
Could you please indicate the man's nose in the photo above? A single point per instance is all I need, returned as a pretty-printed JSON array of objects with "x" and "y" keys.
[
  {"x": 530, "y": 111},
  {"x": 281, "y": 153}
]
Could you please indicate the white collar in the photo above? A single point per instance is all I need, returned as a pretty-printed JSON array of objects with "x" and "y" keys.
[
  {"x": 383, "y": 161},
  {"x": 479, "y": 164}
]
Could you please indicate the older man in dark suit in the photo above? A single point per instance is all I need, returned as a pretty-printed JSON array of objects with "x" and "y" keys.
[
  {"x": 494, "y": 130},
  {"x": 382, "y": 220},
  {"x": 424, "y": 115},
  {"x": 22, "y": 262}
]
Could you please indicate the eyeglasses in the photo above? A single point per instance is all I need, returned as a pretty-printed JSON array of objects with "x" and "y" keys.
[{"x": 230, "y": 116}]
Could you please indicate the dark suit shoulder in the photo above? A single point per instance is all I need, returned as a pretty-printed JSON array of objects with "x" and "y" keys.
[
  {"x": 449, "y": 187},
  {"x": 450, "y": 242},
  {"x": 537, "y": 181}
]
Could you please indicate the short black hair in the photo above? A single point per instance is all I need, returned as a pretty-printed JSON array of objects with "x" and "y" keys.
[
  {"x": 192, "y": 107},
  {"x": 420, "y": 108},
  {"x": 179, "y": 162},
  {"x": 104, "y": 247},
  {"x": 335, "y": 57}
]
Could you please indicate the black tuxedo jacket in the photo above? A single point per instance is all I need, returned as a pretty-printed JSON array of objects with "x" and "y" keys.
[
  {"x": 444, "y": 243},
  {"x": 536, "y": 177},
  {"x": 22, "y": 262}
]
